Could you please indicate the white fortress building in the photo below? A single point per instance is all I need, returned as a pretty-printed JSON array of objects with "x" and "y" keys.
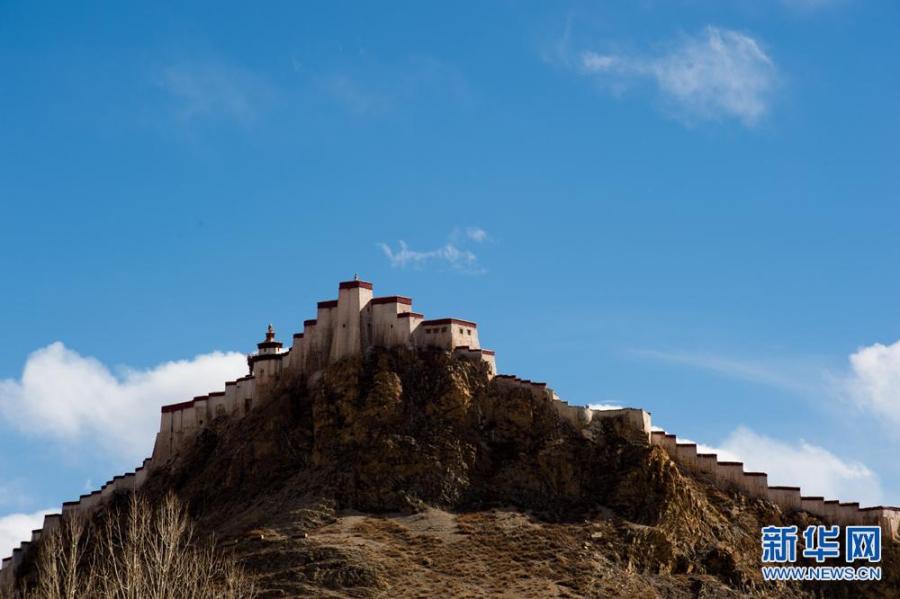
[{"x": 357, "y": 321}]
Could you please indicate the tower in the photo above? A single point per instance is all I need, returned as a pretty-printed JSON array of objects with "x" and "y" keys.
[
  {"x": 352, "y": 324},
  {"x": 267, "y": 360}
]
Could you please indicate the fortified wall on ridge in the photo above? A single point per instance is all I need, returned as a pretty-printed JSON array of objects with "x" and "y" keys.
[{"x": 356, "y": 321}]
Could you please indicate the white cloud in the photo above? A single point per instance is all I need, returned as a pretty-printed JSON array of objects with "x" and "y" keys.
[
  {"x": 874, "y": 381},
  {"x": 72, "y": 398},
  {"x": 214, "y": 90},
  {"x": 15, "y": 528},
  {"x": 719, "y": 73},
  {"x": 814, "y": 469},
  {"x": 451, "y": 255}
]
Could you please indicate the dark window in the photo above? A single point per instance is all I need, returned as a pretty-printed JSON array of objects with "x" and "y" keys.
[{"x": 443, "y": 329}]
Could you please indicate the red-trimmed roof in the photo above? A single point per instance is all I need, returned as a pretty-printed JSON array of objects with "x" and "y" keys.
[
  {"x": 410, "y": 315},
  {"x": 489, "y": 352},
  {"x": 393, "y": 299},
  {"x": 269, "y": 344},
  {"x": 686, "y": 445},
  {"x": 355, "y": 285},
  {"x": 217, "y": 394},
  {"x": 741, "y": 464},
  {"x": 309, "y": 323},
  {"x": 327, "y": 304},
  {"x": 812, "y": 498},
  {"x": 298, "y": 335},
  {"x": 465, "y": 323},
  {"x": 779, "y": 488},
  {"x": 755, "y": 474},
  {"x": 707, "y": 455}
]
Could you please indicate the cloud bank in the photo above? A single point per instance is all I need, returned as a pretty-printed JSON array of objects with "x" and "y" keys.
[
  {"x": 68, "y": 397},
  {"x": 717, "y": 74},
  {"x": 814, "y": 469},
  {"x": 214, "y": 91}
]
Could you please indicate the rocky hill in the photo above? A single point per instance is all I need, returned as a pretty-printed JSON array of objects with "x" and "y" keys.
[{"x": 413, "y": 474}]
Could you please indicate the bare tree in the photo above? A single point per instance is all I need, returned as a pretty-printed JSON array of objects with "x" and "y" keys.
[{"x": 140, "y": 552}]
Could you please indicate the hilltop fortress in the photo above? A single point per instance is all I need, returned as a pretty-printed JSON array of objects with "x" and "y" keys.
[
  {"x": 357, "y": 321},
  {"x": 347, "y": 326}
]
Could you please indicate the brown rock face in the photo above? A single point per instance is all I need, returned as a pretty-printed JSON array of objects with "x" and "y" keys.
[{"x": 404, "y": 474}]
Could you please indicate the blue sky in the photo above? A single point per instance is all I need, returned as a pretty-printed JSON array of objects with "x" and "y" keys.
[{"x": 690, "y": 207}]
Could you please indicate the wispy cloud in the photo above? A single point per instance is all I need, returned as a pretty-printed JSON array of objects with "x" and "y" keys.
[
  {"x": 215, "y": 91},
  {"x": 15, "y": 528},
  {"x": 447, "y": 255},
  {"x": 814, "y": 469},
  {"x": 476, "y": 234},
  {"x": 452, "y": 255},
  {"x": 719, "y": 73},
  {"x": 365, "y": 86},
  {"x": 795, "y": 376},
  {"x": 469, "y": 234},
  {"x": 68, "y": 397},
  {"x": 354, "y": 95}
]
